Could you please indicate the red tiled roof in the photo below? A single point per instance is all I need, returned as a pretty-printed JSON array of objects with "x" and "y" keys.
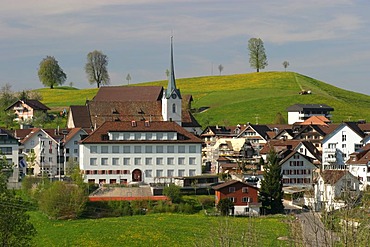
[
  {"x": 332, "y": 176},
  {"x": 231, "y": 182},
  {"x": 155, "y": 126},
  {"x": 127, "y": 93}
]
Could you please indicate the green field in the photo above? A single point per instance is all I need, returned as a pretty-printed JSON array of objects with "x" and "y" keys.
[
  {"x": 159, "y": 230},
  {"x": 238, "y": 99}
]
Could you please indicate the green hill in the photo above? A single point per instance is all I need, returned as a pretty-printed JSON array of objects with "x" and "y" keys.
[{"x": 238, "y": 99}]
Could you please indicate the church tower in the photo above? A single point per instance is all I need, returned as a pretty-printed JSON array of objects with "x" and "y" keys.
[{"x": 171, "y": 101}]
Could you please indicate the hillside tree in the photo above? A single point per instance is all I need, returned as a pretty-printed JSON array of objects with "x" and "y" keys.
[
  {"x": 50, "y": 73},
  {"x": 257, "y": 54},
  {"x": 271, "y": 192},
  {"x": 128, "y": 78},
  {"x": 220, "y": 68},
  {"x": 96, "y": 68},
  {"x": 279, "y": 119},
  {"x": 285, "y": 64}
]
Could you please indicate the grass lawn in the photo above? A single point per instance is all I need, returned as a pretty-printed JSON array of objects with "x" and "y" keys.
[{"x": 155, "y": 230}]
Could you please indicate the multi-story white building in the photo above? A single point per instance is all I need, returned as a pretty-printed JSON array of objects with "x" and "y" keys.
[
  {"x": 301, "y": 112},
  {"x": 359, "y": 165},
  {"x": 144, "y": 151},
  {"x": 9, "y": 148},
  {"x": 347, "y": 138}
]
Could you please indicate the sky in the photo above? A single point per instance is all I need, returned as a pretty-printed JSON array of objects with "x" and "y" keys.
[{"x": 328, "y": 40}]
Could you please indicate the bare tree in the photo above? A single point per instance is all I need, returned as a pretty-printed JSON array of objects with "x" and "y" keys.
[
  {"x": 285, "y": 64},
  {"x": 96, "y": 68},
  {"x": 128, "y": 78},
  {"x": 220, "y": 68}
]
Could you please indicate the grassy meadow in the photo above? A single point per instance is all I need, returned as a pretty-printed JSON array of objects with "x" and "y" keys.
[
  {"x": 242, "y": 98},
  {"x": 159, "y": 230}
]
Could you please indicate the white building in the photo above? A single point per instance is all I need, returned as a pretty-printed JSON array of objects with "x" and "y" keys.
[
  {"x": 332, "y": 187},
  {"x": 9, "y": 147},
  {"x": 297, "y": 170},
  {"x": 347, "y": 138},
  {"x": 144, "y": 151},
  {"x": 359, "y": 165},
  {"x": 301, "y": 112}
]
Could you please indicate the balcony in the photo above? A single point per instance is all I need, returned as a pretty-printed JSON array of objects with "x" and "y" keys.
[
  {"x": 330, "y": 150},
  {"x": 330, "y": 159}
]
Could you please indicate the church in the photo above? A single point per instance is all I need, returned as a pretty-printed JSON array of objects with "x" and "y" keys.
[{"x": 136, "y": 103}]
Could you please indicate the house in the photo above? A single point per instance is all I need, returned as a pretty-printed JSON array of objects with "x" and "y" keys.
[
  {"x": 347, "y": 138},
  {"x": 332, "y": 187},
  {"x": 313, "y": 133},
  {"x": 139, "y": 152},
  {"x": 131, "y": 103},
  {"x": 297, "y": 170},
  {"x": 301, "y": 112},
  {"x": 243, "y": 195},
  {"x": 256, "y": 134},
  {"x": 359, "y": 165},
  {"x": 25, "y": 109},
  {"x": 9, "y": 148},
  {"x": 50, "y": 147}
]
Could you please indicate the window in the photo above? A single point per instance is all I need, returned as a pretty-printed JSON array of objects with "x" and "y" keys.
[
  {"x": 148, "y": 173},
  {"x": 159, "y": 136},
  {"x": 159, "y": 161},
  {"x": 104, "y": 149},
  {"x": 344, "y": 136},
  {"x": 343, "y": 145},
  {"x": 245, "y": 189},
  {"x": 170, "y": 149},
  {"x": 170, "y": 161},
  {"x": 231, "y": 189},
  {"x": 67, "y": 150},
  {"x": 192, "y": 161},
  {"x": 192, "y": 172},
  {"x": 159, "y": 173},
  {"x": 173, "y": 108},
  {"x": 137, "y": 136},
  {"x": 126, "y": 161},
  {"x": 115, "y": 149},
  {"x": 181, "y": 149},
  {"x": 232, "y": 199},
  {"x": 246, "y": 199},
  {"x": 192, "y": 149},
  {"x": 181, "y": 161},
  {"x": 170, "y": 173},
  {"x": 93, "y": 161},
  {"x": 75, "y": 150},
  {"x": 6, "y": 150},
  {"x": 104, "y": 161},
  {"x": 148, "y": 161},
  {"x": 75, "y": 142},
  {"x": 137, "y": 149},
  {"x": 171, "y": 136},
  {"x": 149, "y": 136},
  {"x": 50, "y": 159},
  {"x": 137, "y": 161},
  {"x": 126, "y": 149},
  {"x": 148, "y": 149},
  {"x": 115, "y": 161},
  {"x": 159, "y": 149},
  {"x": 181, "y": 173},
  {"x": 93, "y": 149}
]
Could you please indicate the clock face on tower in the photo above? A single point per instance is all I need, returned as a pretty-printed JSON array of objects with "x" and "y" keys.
[{"x": 174, "y": 96}]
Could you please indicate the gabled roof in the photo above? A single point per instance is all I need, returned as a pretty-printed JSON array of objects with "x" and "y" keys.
[
  {"x": 360, "y": 158},
  {"x": 129, "y": 93},
  {"x": 216, "y": 131},
  {"x": 316, "y": 120},
  {"x": 80, "y": 116},
  {"x": 230, "y": 183},
  {"x": 34, "y": 104},
  {"x": 260, "y": 129},
  {"x": 352, "y": 125},
  {"x": 184, "y": 136},
  {"x": 333, "y": 176},
  {"x": 72, "y": 133},
  {"x": 286, "y": 158},
  {"x": 309, "y": 107}
]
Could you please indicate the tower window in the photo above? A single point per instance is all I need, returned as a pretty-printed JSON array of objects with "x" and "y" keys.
[{"x": 173, "y": 108}]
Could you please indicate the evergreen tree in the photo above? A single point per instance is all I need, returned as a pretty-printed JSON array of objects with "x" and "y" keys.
[{"x": 271, "y": 192}]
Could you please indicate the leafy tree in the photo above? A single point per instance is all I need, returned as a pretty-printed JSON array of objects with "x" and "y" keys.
[
  {"x": 62, "y": 201},
  {"x": 271, "y": 192},
  {"x": 285, "y": 64},
  {"x": 257, "y": 55},
  {"x": 50, "y": 73},
  {"x": 128, "y": 78},
  {"x": 96, "y": 68},
  {"x": 31, "y": 161},
  {"x": 279, "y": 119},
  {"x": 220, "y": 68},
  {"x": 40, "y": 119},
  {"x": 224, "y": 206},
  {"x": 15, "y": 228},
  {"x": 173, "y": 192}
]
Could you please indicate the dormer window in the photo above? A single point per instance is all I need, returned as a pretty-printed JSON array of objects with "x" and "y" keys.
[{"x": 133, "y": 124}]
